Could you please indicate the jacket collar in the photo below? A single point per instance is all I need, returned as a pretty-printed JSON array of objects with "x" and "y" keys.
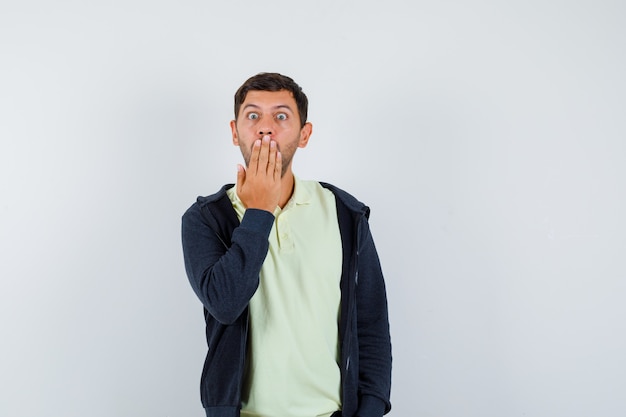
[{"x": 350, "y": 201}]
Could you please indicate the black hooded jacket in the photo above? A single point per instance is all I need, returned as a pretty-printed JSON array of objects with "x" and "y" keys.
[{"x": 223, "y": 258}]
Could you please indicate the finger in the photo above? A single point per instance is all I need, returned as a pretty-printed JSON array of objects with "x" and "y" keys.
[
  {"x": 271, "y": 163},
  {"x": 278, "y": 167},
  {"x": 264, "y": 155},
  {"x": 253, "y": 165}
]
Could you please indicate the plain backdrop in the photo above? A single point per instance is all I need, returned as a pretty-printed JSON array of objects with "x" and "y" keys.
[{"x": 488, "y": 138}]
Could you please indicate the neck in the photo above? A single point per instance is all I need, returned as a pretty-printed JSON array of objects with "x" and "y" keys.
[{"x": 286, "y": 185}]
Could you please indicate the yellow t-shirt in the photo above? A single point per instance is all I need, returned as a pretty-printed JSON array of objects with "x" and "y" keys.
[{"x": 293, "y": 347}]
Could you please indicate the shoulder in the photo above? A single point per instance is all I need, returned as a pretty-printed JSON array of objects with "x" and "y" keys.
[
  {"x": 213, "y": 213},
  {"x": 223, "y": 192},
  {"x": 202, "y": 201},
  {"x": 348, "y": 200}
]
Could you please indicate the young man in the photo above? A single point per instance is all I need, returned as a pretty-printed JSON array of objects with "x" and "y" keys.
[{"x": 293, "y": 293}]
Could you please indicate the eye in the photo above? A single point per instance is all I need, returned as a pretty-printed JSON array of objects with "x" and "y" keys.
[
  {"x": 281, "y": 116},
  {"x": 253, "y": 116}
]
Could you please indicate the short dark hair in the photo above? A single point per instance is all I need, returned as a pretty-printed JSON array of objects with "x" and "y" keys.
[{"x": 272, "y": 81}]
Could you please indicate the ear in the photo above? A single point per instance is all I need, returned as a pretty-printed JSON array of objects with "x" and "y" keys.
[
  {"x": 305, "y": 134},
  {"x": 233, "y": 129}
]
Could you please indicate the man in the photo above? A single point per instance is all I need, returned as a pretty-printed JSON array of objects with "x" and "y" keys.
[{"x": 293, "y": 293}]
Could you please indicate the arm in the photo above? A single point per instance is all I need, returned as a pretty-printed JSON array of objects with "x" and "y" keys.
[
  {"x": 225, "y": 275},
  {"x": 373, "y": 331},
  {"x": 225, "y": 278}
]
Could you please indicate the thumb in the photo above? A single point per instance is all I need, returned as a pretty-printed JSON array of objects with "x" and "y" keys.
[{"x": 241, "y": 177}]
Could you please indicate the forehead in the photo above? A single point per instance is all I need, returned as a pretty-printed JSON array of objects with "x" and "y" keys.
[{"x": 270, "y": 99}]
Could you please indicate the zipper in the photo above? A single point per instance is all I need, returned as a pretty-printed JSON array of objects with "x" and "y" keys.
[
  {"x": 355, "y": 276},
  {"x": 243, "y": 353},
  {"x": 221, "y": 240}
]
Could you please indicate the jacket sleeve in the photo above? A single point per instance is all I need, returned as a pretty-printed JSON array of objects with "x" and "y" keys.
[
  {"x": 373, "y": 330},
  {"x": 225, "y": 278}
]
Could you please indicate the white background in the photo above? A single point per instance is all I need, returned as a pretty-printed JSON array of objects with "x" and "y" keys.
[{"x": 489, "y": 139}]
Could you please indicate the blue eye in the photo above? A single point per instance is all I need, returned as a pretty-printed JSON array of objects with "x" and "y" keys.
[
  {"x": 253, "y": 116},
  {"x": 281, "y": 116}
]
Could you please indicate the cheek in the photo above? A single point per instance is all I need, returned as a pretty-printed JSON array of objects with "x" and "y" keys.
[
  {"x": 288, "y": 148},
  {"x": 245, "y": 125}
]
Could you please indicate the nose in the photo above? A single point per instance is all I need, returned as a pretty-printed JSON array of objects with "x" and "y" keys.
[{"x": 266, "y": 127}]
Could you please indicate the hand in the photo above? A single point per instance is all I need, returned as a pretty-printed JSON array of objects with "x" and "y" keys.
[{"x": 259, "y": 186}]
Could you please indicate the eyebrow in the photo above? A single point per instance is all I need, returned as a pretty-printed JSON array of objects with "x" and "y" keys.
[{"x": 280, "y": 106}]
